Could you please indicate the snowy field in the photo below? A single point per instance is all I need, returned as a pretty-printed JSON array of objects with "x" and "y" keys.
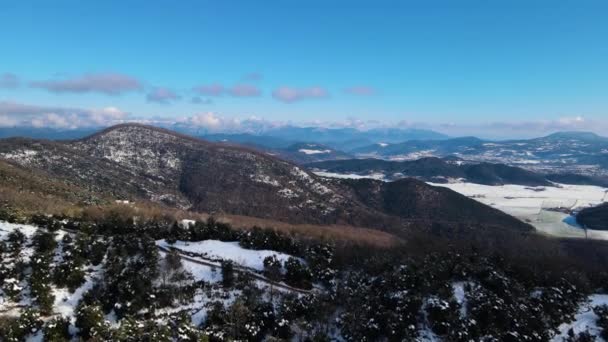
[
  {"x": 377, "y": 176},
  {"x": 6, "y": 228},
  {"x": 534, "y": 205},
  {"x": 214, "y": 249},
  {"x": 537, "y": 205}
]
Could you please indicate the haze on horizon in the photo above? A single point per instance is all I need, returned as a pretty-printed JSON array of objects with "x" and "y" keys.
[{"x": 493, "y": 69}]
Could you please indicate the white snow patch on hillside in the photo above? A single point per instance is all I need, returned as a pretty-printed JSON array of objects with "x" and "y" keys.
[
  {"x": 201, "y": 272},
  {"x": 287, "y": 193},
  {"x": 215, "y": 249},
  {"x": 301, "y": 174},
  {"x": 308, "y": 151},
  {"x": 20, "y": 156},
  {"x": 584, "y": 320},
  {"x": 260, "y": 178},
  {"x": 460, "y": 296},
  {"x": 413, "y": 155},
  {"x": 66, "y": 302},
  {"x": 7, "y": 228},
  {"x": 378, "y": 176}
]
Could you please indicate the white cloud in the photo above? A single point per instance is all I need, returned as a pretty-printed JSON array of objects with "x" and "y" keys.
[
  {"x": 18, "y": 114},
  {"x": 216, "y": 123}
]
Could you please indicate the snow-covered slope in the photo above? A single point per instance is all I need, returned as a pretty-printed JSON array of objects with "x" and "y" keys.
[{"x": 219, "y": 250}]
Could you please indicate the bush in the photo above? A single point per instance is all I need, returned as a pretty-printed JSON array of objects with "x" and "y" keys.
[
  {"x": 258, "y": 238},
  {"x": 29, "y": 322},
  {"x": 297, "y": 274},
  {"x": 227, "y": 273},
  {"x": 602, "y": 321},
  {"x": 272, "y": 268},
  {"x": 57, "y": 330},
  {"x": 199, "y": 231},
  {"x": 90, "y": 321}
]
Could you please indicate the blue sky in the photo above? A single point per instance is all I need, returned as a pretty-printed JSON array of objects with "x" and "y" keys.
[{"x": 464, "y": 63}]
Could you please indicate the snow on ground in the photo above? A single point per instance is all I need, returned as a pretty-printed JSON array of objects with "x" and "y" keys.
[
  {"x": 308, "y": 151},
  {"x": 214, "y": 249},
  {"x": 378, "y": 176},
  {"x": 534, "y": 204},
  {"x": 413, "y": 155},
  {"x": 185, "y": 223},
  {"x": 201, "y": 272},
  {"x": 6, "y": 228},
  {"x": 65, "y": 302},
  {"x": 584, "y": 320},
  {"x": 201, "y": 303},
  {"x": 460, "y": 296},
  {"x": 524, "y": 200}
]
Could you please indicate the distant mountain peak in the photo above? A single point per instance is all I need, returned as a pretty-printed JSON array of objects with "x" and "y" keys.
[{"x": 580, "y": 135}]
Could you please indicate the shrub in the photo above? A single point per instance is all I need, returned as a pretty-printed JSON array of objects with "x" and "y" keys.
[
  {"x": 227, "y": 273},
  {"x": 57, "y": 330},
  {"x": 90, "y": 322},
  {"x": 602, "y": 321},
  {"x": 297, "y": 274}
]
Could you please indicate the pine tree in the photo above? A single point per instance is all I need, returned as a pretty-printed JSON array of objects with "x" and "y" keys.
[
  {"x": 57, "y": 329},
  {"x": 272, "y": 271},
  {"x": 227, "y": 273}
]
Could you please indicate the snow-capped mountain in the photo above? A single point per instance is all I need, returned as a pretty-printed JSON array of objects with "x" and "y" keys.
[
  {"x": 142, "y": 162},
  {"x": 577, "y": 152}
]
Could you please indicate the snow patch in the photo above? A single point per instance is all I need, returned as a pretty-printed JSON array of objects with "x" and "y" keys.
[
  {"x": 307, "y": 151},
  {"x": 215, "y": 249},
  {"x": 66, "y": 302},
  {"x": 584, "y": 320},
  {"x": 377, "y": 176},
  {"x": 288, "y": 193},
  {"x": 20, "y": 156},
  {"x": 264, "y": 179}
]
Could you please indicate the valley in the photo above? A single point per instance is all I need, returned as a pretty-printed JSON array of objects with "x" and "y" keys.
[
  {"x": 304, "y": 171},
  {"x": 549, "y": 209}
]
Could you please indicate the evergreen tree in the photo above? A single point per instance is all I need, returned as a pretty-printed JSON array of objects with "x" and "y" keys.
[
  {"x": 57, "y": 329},
  {"x": 272, "y": 271},
  {"x": 227, "y": 273}
]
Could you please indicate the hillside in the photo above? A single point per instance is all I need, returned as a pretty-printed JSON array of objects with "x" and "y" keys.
[
  {"x": 594, "y": 217},
  {"x": 415, "y": 201},
  {"x": 302, "y": 153},
  {"x": 68, "y": 280},
  {"x": 142, "y": 162}
]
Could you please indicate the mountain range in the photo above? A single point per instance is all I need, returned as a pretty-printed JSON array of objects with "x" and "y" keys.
[
  {"x": 576, "y": 152},
  {"x": 582, "y": 153},
  {"x": 137, "y": 162},
  {"x": 441, "y": 170},
  {"x": 345, "y": 139}
]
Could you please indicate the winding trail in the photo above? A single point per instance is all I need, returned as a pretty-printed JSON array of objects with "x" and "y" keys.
[{"x": 237, "y": 269}]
